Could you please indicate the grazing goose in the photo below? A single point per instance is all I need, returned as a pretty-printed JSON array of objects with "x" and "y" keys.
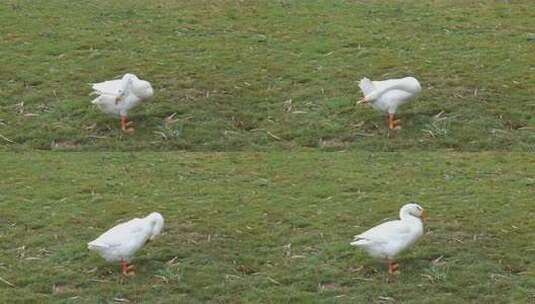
[
  {"x": 120, "y": 243},
  {"x": 117, "y": 97},
  {"x": 388, "y": 95},
  {"x": 386, "y": 240}
]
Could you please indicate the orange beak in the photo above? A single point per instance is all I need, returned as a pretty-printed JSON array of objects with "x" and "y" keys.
[{"x": 423, "y": 216}]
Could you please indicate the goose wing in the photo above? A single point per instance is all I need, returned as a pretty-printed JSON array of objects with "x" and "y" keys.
[
  {"x": 120, "y": 234},
  {"x": 110, "y": 87},
  {"x": 116, "y": 87},
  {"x": 408, "y": 84},
  {"x": 383, "y": 233}
]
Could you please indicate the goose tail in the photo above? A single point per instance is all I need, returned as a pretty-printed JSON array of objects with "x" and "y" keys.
[
  {"x": 95, "y": 245},
  {"x": 358, "y": 242},
  {"x": 366, "y": 86}
]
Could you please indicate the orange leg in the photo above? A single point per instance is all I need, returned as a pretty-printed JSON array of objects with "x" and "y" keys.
[
  {"x": 123, "y": 123},
  {"x": 124, "y": 267}
]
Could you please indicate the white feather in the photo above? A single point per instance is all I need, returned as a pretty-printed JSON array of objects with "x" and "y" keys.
[{"x": 110, "y": 87}]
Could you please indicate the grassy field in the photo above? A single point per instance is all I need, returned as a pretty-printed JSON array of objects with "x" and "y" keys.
[
  {"x": 267, "y": 228},
  {"x": 268, "y": 75}
]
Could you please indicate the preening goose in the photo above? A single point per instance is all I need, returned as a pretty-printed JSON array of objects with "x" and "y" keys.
[
  {"x": 117, "y": 97},
  {"x": 387, "y": 95}
]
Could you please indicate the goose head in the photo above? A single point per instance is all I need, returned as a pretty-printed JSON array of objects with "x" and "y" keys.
[
  {"x": 142, "y": 89},
  {"x": 156, "y": 222},
  {"x": 412, "y": 209}
]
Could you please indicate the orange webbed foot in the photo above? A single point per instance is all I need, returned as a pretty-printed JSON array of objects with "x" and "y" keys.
[
  {"x": 393, "y": 267},
  {"x": 393, "y": 124}
]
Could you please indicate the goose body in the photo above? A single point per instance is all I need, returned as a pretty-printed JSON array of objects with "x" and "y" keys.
[
  {"x": 117, "y": 97},
  {"x": 387, "y": 95},
  {"x": 387, "y": 240},
  {"x": 120, "y": 243}
]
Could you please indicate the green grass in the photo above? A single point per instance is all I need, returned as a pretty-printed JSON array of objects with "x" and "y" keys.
[
  {"x": 267, "y": 228},
  {"x": 228, "y": 67}
]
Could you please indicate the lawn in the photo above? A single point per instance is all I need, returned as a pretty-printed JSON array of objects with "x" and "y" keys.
[
  {"x": 267, "y": 227},
  {"x": 268, "y": 75}
]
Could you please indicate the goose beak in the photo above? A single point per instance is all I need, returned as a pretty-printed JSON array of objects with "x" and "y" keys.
[{"x": 423, "y": 216}]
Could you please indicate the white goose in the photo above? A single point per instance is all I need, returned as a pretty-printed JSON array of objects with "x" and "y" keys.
[
  {"x": 388, "y": 239},
  {"x": 120, "y": 243},
  {"x": 117, "y": 97},
  {"x": 388, "y": 95}
]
